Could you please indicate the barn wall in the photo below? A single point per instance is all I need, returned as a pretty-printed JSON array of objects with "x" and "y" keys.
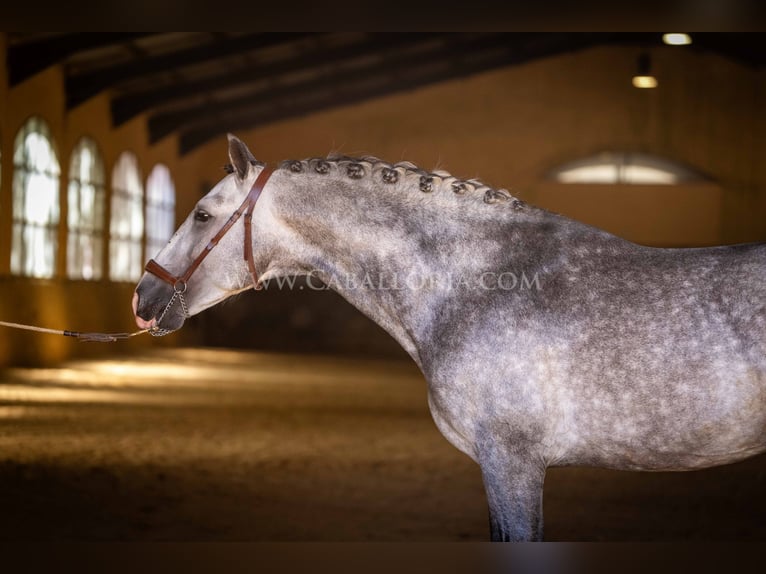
[
  {"x": 508, "y": 127},
  {"x": 61, "y": 303}
]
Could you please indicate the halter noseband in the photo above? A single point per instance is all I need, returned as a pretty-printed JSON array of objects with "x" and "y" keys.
[{"x": 179, "y": 282}]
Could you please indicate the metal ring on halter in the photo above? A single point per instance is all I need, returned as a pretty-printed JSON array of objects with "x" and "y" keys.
[
  {"x": 158, "y": 332},
  {"x": 176, "y": 287}
]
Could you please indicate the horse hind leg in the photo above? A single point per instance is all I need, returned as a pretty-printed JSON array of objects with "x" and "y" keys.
[{"x": 514, "y": 488}]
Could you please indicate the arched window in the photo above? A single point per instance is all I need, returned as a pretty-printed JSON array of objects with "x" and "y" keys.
[
  {"x": 126, "y": 227},
  {"x": 35, "y": 201},
  {"x": 625, "y": 168},
  {"x": 160, "y": 209},
  {"x": 85, "y": 215}
]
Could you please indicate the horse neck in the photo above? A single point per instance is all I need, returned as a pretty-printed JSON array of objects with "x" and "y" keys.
[{"x": 382, "y": 246}]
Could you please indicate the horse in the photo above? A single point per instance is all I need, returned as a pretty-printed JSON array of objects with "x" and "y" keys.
[{"x": 544, "y": 341}]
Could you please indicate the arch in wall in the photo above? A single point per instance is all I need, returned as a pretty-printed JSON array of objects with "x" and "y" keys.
[
  {"x": 625, "y": 168},
  {"x": 86, "y": 191},
  {"x": 160, "y": 209},
  {"x": 34, "y": 240},
  {"x": 641, "y": 197},
  {"x": 126, "y": 225}
]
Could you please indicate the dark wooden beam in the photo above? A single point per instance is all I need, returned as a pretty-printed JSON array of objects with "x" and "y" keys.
[
  {"x": 27, "y": 59},
  {"x": 163, "y": 124},
  {"x": 128, "y": 106},
  {"x": 458, "y": 59},
  {"x": 747, "y": 49},
  {"x": 81, "y": 87}
]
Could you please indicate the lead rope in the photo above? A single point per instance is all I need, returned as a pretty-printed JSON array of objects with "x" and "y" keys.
[
  {"x": 108, "y": 337},
  {"x": 83, "y": 337}
]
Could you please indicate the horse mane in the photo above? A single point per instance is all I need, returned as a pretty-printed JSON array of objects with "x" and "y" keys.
[
  {"x": 406, "y": 172},
  {"x": 403, "y": 172}
]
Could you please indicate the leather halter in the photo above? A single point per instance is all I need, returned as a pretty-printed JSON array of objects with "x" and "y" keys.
[{"x": 179, "y": 282}]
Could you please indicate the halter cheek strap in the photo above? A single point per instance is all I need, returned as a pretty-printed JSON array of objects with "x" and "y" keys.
[{"x": 179, "y": 282}]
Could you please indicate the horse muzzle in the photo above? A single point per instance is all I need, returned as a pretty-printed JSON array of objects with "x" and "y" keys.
[
  {"x": 140, "y": 321},
  {"x": 158, "y": 307}
]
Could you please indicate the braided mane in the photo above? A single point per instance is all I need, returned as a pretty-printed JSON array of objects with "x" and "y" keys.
[
  {"x": 408, "y": 173},
  {"x": 396, "y": 173}
]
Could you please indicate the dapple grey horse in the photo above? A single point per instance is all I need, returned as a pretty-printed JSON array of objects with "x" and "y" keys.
[{"x": 545, "y": 342}]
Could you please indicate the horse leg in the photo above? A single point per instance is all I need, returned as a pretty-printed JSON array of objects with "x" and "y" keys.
[{"x": 514, "y": 488}]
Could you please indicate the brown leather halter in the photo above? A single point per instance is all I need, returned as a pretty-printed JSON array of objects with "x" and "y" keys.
[{"x": 179, "y": 282}]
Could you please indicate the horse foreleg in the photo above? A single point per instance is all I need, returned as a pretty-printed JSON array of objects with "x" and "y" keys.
[{"x": 514, "y": 488}]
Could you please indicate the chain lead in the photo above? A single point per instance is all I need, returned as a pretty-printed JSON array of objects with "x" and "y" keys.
[{"x": 158, "y": 331}]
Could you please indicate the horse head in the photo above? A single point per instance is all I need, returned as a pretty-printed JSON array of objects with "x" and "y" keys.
[{"x": 188, "y": 275}]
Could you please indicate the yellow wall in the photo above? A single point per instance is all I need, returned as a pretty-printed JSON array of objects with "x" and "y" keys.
[{"x": 508, "y": 127}]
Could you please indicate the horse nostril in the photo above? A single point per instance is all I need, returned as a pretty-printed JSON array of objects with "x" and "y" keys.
[{"x": 142, "y": 308}]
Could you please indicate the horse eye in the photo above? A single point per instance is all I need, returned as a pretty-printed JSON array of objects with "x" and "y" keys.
[{"x": 202, "y": 216}]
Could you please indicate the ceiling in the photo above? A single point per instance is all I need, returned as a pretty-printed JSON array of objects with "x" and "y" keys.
[{"x": 202, "y": 84}]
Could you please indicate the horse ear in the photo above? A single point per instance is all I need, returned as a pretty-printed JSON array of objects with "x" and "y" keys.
[{"x": 240, "y": 157}]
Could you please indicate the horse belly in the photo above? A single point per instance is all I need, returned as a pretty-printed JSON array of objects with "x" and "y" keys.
[{"x": 693, "y": 426}]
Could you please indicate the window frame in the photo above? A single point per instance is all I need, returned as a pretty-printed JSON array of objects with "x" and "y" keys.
[
  {"x": 30, "y": 236},
  {"x": 627, "y": 168},
  {"x": 160, "y": 209},
  {"x": 94, "y": 230},
  {"x": 123, "y": 197}
]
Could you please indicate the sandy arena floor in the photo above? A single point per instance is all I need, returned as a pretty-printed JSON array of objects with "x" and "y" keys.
[{"x": 204, "y": 444}]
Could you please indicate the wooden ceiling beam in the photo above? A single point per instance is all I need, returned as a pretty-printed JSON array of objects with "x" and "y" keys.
[
  {"x": 457, "y": 60},
  {"x": 128, "y": 106},
  {"x": 81, "y": 87},
  {"x": 30, "y": 58},
  {"x": 163, "y": 124}
]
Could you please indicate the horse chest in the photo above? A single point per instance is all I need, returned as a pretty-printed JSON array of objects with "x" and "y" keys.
[{"x": 512, "y": 401}]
